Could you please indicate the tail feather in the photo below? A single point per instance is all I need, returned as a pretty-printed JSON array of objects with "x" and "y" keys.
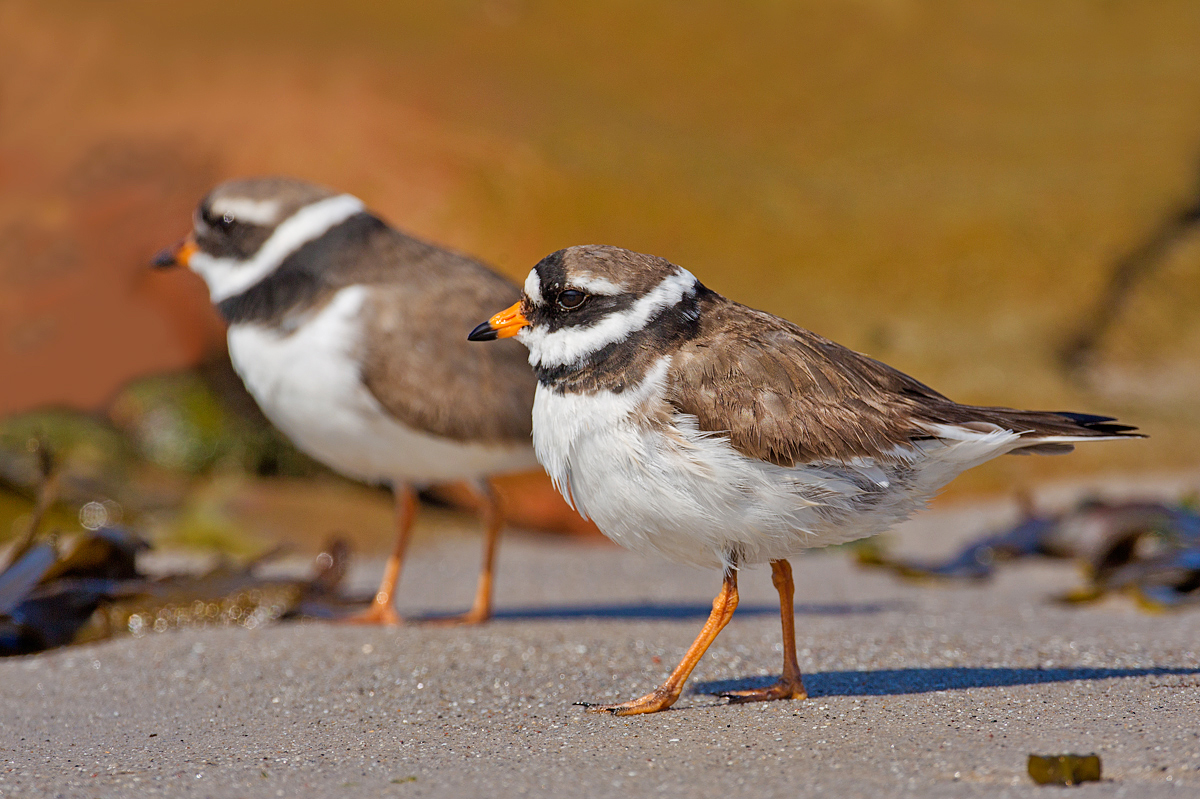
[
  {"x": 1044, "y": 448},
  {"x": 1044, "y": 432}
]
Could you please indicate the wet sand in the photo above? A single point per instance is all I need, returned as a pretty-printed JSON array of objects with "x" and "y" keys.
[{"x": 915, "y": 690}]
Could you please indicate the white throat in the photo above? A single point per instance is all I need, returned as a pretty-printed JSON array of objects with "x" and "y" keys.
[
  {"x": 228, "y": 277},
  {"x": 570, "y": 345}
]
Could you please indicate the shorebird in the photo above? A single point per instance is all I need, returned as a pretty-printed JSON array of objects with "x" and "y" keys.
[
  {"x": 347, "y": 332},
  {"x": 686, "y": 424}
]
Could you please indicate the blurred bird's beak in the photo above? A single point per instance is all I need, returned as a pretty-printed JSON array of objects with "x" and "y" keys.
[
  {"x": 179, "y": 255},
  {"x": 505, "y": 324}
]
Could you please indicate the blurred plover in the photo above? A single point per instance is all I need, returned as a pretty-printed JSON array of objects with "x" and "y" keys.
[
  {"x": 348, "y": 334},
  {"x": 687, "y": 424}
]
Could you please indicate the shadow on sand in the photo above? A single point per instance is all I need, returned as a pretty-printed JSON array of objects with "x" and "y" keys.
[
  {"x": 672, "y": 611},
  {"x": 895, "y": 682}
]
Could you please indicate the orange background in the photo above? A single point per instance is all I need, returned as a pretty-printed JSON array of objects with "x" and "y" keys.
[{"x": 942, "y": 186}]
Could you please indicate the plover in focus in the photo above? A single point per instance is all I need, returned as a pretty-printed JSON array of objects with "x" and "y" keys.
[
  {"x": 348, "y": 333},
  {"x": 686, "y": 424}
]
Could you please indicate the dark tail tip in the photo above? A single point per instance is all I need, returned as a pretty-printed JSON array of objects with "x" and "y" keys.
[{"x": 1103, "y": 425}]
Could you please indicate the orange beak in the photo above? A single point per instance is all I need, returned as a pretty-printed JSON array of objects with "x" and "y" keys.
[
  {"x": 179, "y": 255},
  {"x": 505, "y": 324}
]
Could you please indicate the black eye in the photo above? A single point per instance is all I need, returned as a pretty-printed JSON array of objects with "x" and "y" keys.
[
  {"x": 570, "y": 299},
  {"x": 221, "y": 222}
]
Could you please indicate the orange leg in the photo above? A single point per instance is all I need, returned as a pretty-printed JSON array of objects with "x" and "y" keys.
[
  {"x": 665, "y": 695},
  {"x": 790, "y": 686},
  {"x": 492, "y": 514},
  {"x": 382, "y": 610}
]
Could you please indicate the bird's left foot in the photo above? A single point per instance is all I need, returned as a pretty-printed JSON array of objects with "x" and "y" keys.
[
  {"x": 784, "y": 689},
  {"x": 471, "y": 617},
  {"x": 379, "y": 613}
]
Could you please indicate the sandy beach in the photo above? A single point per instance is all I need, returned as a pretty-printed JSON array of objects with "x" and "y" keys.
[{"x": 915, "y": 690}]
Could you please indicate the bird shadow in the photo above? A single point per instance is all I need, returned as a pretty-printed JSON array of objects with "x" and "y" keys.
[
  {"x": 671, "y": 611},
  {"x": 897, "y": 682}
]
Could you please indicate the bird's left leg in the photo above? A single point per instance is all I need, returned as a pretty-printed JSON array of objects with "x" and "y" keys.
[
  {"x": 491, "y": 513},
  {"x": 790, "y": 685}
]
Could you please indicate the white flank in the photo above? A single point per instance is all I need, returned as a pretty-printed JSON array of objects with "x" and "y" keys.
[
  {"x": 256, "y": 212},
  {"x": 689, "y": 495},
  {"x": 228, "y": 277},
  {"x": 308, "y": 384},
  {"x": 570, "y": 345}
]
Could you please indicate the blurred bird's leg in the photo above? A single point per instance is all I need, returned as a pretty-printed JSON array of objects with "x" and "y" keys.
[
  {"x": 665, "y": 695},
  {"x": 491, "y": 513},
  {"x": 790, "y": 686},
  {"x": 383, "y": 610}
]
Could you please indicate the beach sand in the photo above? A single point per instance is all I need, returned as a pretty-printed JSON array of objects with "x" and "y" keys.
[{"x": 916, "y": 690}]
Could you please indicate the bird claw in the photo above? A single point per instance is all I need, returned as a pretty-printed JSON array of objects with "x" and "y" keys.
[
  {"x": 780, "y": 690},
  {"x": 652, "y": 702}
]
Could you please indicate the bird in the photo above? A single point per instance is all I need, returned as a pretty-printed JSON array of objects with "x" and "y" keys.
[
  {"x": 347, "y": 333},
  {"x": 691, "y": 426}
]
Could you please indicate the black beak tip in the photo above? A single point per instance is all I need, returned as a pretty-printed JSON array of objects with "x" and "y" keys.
[
  {"x": 483, "y": 332},
  {"x": 164, "y": 258}
]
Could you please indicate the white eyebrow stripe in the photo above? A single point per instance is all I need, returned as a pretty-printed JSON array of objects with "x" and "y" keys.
[
  {"x": 228, "y": 277},
  {"x": 256, "y": 212},
  {"x": 594, "y": 284},
  {"x": 533, "y": 287},
  {"x": 570, "y": 345}
]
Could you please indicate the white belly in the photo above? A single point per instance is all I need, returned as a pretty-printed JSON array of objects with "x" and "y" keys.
[
  {"x": 308, "y": 384},
  {"x": 691, "y": 497}
]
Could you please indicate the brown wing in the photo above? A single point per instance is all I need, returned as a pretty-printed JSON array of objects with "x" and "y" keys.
[
  {"x": 786, "y": 395},
  {"x": 417, "y": 360}
]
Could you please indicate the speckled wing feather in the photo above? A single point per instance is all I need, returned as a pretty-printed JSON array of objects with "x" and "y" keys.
[
  {"x": 786, "y": 395},
  {"x": 417, "y": 361}
]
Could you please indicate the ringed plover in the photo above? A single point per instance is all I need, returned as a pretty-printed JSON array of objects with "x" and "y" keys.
[
  {"x": 347, "y": 333},
  {"x": 686, "y": 424}
]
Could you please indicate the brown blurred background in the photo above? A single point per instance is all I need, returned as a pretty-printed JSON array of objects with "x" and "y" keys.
[{"x": 944, "y": 186}]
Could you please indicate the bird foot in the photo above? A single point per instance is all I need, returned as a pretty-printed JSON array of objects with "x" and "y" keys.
[
  {"x": 656, "y": 700},
  {"x": 784, "y": 689},
  {"x": 379, "y": 614},
  {"x": 471, "y": 617}
]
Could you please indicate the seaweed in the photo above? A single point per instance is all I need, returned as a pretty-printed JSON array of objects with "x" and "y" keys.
[
  {"x": 1064, "y": 769},
  {"x": 91, "y": 588},
  {"x": 1148, "y": 549}
]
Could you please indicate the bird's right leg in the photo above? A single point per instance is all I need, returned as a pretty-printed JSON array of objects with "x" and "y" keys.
[
  {"x": 665, "y": 695},
  {"x": 492, "y": 514}
]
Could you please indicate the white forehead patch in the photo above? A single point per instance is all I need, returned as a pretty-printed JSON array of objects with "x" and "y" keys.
[
  {"x": 570, "y": 345},
  {"x": 255, "y": 212},
  {"x": 228, "y": 277},
  {"x": 533, "y": 287}
]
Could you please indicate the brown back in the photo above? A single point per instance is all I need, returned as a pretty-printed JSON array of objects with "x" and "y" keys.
[{"x": 786, "y": 395}]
